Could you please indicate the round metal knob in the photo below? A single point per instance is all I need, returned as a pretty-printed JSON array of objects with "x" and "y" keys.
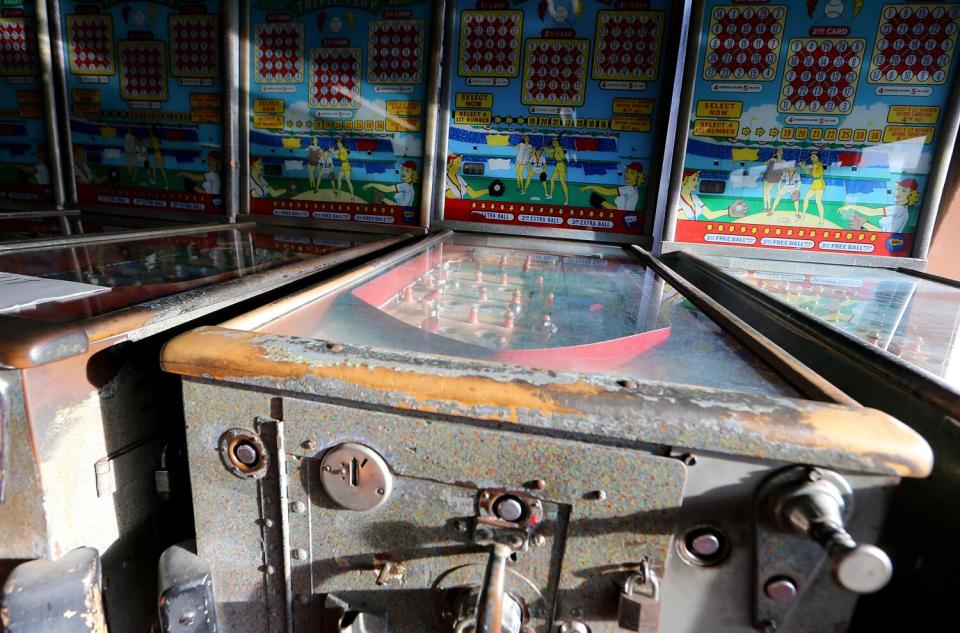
[
  {"x": 509, "y": 509},
  {"x": 863, "y": 569}
]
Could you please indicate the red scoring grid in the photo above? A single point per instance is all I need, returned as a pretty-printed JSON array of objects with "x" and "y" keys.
[
  {"x": 490, "y": 43},
  {"x": 744, "y": 43},
  {"x": 143, "y": 72},
  {"x": 279, "y": 53},
  {"x": 18, "y": 50},
  {"x": 395, "y": 53},
  {"x": 915, "y": 44},
  {"x": 555, "y": 72},
  {"x": 335, "y": 78},
  {"x": 821, "y": 75},
  {"x": 627, "y": 45},
  {"x": 90, "y": 44},
  {"x": 194, "y": 46}
]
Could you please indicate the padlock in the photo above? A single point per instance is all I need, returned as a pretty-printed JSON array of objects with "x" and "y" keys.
[{"x": 639, "y": 609}]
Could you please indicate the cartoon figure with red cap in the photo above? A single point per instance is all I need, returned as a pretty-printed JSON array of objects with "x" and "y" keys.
[
  {"x": 893, "y": 217},
  {"x": 456, "y": 186},
  {"x": 627, "y": 195},
  {"x": 409, "y": 176}
]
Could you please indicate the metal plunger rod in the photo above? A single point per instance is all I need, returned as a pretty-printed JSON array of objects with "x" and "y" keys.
[{"x": 490, "y": 604}]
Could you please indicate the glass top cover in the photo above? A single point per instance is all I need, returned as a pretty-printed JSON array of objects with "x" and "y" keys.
[
  {"x": 146, "y": 269},
  {"x": 915, "y": 319},
  {"x": 27, "y": 228},
  {"x": 549, "y": 305}
]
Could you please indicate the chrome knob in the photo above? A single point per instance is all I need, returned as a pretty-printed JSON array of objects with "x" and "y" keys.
[{"x": 816, "y": 507}]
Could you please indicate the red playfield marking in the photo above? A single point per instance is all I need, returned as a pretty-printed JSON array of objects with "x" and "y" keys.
[
  {"x": 90, "y": 44},
  {"x": 555, "y": 72},
  {"x": 744, "y": 43},
  {"x": 821, "y": 75},
  {"x": 335, "y": 78},
  {"x": 143, "y": 70},
  {"x": 627, "y": 45},
  {"x": 278, "y": 49},
  {"x": 395, "y": 51},
  {"x": 194, "y": 47},
  {"x": 915, "y": 44},
  {"x": 18, "y": 50},
  {"x": 490, "y": 43}
]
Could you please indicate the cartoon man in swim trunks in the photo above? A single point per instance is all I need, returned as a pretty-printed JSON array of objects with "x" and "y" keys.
[
  {"x": 524, "y": 154},
  {"x": 404, "y": 190},
  {"x": 627, "y": 195},
  {"x": 456, "y": 185}
]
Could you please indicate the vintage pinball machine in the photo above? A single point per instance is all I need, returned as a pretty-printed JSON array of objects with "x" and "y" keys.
[
  {"x": 523, "y": 423},
  {"x": 146, "y": 102},
  {"x": 808, "y": 176}
]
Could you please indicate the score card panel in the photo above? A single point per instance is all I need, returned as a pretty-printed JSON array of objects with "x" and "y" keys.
[
  {"x": 24, "y": 155},
  {"x": 815, "y": 123},
  {"x": 551, "y": 113},
  {"x": 144, "y": 94},
  {"x": 337, "y": 109}
]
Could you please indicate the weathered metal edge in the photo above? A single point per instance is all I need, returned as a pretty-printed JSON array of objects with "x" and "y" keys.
[{"x": 621, "y": 410}]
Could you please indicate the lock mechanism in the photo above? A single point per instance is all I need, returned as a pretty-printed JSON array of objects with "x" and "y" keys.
[
  {"x": 355, "y": 477},
  {"x": 639, "y": 609}
]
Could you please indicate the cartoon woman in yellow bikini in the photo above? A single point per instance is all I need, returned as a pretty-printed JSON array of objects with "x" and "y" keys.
[
  {"x": 560, "y": 170},
  {"x": 815, "y": 168},
  {"x": 157, "y": 158},
  {"x": 344, "y": 155},
  {"x": 691, "y": 206}
]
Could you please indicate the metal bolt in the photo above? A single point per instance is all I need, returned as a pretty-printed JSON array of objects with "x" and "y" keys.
[
  {"x": 270, "y": 569},
  {"x": 599, "y": 495},
  {"x": 539, "y": 540},
  {"x": 334, "y": 347},
  {"x": 815, "y": 474},
  {"x": 268, "y": 523},
  {"x": 246, "y": 453},
  {"x": 781, "y": 589},
  {"x": 537, "y": 484},
  {"x": 460, "y": 526},
  {"x": 298, "y": 507},
  {"x": 380, "y": 491},
  {"x": 188, "y": 618},
  {"x": 509, "y": 509},
  {"x": 299, "y": 554},
  {"x": 627, "y": 384},
  {"x": 308, "y": 445},
  {"x": 705, "y": 544}
]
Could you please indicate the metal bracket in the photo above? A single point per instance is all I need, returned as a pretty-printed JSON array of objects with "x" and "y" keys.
[{"x": 186, "y": 600}]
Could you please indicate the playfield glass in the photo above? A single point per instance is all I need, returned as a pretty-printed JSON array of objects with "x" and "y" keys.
[
  {"x": 144, "y": 91},
  {"x": 24, "y": 155},
  {"x": 338, "y": 108},
  {"x": 815, "y": 123},
  {"x": 546, "y": 305},
  {"x": 145, "y": 269},
  {"x": 914, "y": 319},
  {"x": 553, "y": 112},
  {"x": 13, "y": 229}
]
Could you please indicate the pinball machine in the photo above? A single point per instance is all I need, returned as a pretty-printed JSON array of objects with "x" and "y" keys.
[
  {"x": 144, "y": 103},
  {"x": 524, "y": 422},
  {"x": 806, "y": 184}
]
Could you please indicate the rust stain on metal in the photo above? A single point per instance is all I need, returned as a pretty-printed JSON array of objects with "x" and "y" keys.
[{"x": 212, "y": 356}]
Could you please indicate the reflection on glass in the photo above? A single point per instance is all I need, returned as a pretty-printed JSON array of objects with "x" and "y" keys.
[
  {"x": 141, "y": 270},
  {"x": 913, "y": 319},
  {"x": 589, "y": 308}
]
